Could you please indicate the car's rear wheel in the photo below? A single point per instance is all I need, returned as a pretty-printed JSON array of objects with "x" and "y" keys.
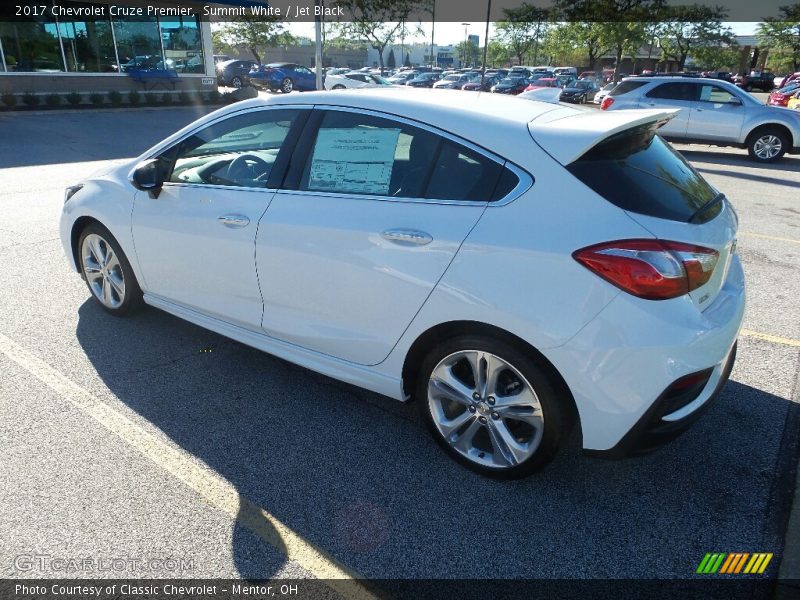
[
  {"x": 338, "y": 86},
  {"x": 767, "y": 145},
  {"x": 107, "y": 272},
  {"x": 236, "y": 82},
  {"x": 490, "y": 406},
  {"x": 287, "y": 85}
]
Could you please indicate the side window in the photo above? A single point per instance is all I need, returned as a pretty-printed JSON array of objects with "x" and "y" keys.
[
  {"x": 239, "y": 151},
  {"x": 712, "y": 93},
  {"x": 362, "y": 154},
  {"x": 674, "y": 91}
]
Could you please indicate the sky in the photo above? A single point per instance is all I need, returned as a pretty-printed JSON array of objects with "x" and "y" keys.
[{"x": 452, "y": 33}]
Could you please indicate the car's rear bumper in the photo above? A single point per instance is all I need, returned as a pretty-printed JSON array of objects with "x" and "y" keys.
[{"x": 620, "y": 365}]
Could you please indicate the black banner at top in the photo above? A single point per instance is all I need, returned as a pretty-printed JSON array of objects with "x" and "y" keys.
[{"x": 411, "y": 11}]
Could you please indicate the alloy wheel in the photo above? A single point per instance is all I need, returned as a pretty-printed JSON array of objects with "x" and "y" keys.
[
  {"x": 287, "y": 86},
  {"x": 767, "y": 147},
  {"x": 485, "y": 409},
  {"x": 103, "y": 271},
  {"x": 236, "y": 82}
]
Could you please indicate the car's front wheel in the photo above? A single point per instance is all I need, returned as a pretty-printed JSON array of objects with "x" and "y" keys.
[
  {"x": 490, "y": 406},
  {"x": 287, "y": 85},
  {"x": 236, "y": 82},
  {"x": 767, "y": 144},
  {"x": 107, "y": 272}
]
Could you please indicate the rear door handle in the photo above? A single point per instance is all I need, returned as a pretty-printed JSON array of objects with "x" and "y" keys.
[
  {"x": 234, "y": 221},
  {"x": 407, "y": 237}
]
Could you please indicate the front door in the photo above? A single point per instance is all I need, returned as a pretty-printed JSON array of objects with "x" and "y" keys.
[
  {"x": 717, "y": 115},
  {"x": 195, "y": 242}
]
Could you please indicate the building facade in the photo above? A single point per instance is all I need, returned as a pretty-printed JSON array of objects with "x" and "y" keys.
[{"x": 101, "y": 47}]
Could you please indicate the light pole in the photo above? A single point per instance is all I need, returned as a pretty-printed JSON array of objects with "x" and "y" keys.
[
  {"x": 434, "y": 60},
  {"x": 465, "y": 43}
]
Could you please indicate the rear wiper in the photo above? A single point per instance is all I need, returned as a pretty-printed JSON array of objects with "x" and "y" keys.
[{"x": 710, "y": 204}]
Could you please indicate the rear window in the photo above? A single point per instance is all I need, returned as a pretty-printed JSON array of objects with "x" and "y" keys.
[
  {"x": 626, "y": 86},
  {"x": 639, "y": 172}
]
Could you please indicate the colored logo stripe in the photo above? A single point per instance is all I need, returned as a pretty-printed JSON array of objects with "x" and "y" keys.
[{"x": 733, "y": 562}]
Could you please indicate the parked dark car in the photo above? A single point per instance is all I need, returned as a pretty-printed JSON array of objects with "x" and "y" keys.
[
  {"x": 455, "y": 81},
  {"x": 756, "y": 81},
  {"x": 489, "y": 81},
  {"x": 580, "y": 92},
  {"x": 425, "y": 80},
  {"x": 145, "y": 62},
  {"x": 234, "y": 73},
  {"x": 511, "y": 85},
  {"x": 721, "y": 75},
  {"x": 284, "y": 77}
]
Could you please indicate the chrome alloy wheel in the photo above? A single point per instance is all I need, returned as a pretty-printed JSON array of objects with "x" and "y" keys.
[
  {"x": 287, "y": 86},
  {"x": 767, "y": 146},
  {"x": 485, "y": 409},
  {"x": 103, "y": 271}
]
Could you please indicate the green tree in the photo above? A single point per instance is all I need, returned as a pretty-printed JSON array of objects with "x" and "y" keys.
[
  {"x": 522, "y": 30},
  {"x": 407, "y": 61},
  {"x": 687, "y": 29},
  {"x": 391, "y": 62},
  {"x": 498, "y": 54},
  {"x": 468, "y": 52},
  {"x": 377, "y": 22},
  {"x": 584, "y": 37},
  {"x": 723, "y": 58},
  {"x": 253, "y": 35},
  {"x": 783, "y": 34}
]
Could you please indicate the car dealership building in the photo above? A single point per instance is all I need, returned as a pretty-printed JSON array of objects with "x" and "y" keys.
[{"x": 85, "y": 47}]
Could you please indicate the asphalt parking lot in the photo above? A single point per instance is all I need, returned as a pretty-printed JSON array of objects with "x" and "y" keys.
[{"x": 149, "y": 437}]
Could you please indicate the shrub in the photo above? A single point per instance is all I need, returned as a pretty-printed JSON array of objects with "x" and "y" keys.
[
  {"x": 214, "y": 97},
  {"x": 30, "y": 99},
  {"x": 115, "y": 97},
  {"x": 134, "y": 97},
  {"x": 52, "y": 99},
  {"x": 10, "y": 100},
  {"x": 152, "y": 99},
  {"x": 183, "y": 97},
  {"x": 96, "y": 98},
  {"x": 166, "y": 98},
  {"x": 74, "y": 98}
]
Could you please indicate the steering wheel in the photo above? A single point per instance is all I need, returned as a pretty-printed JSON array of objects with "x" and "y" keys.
[{"x": 247, "y": 167}]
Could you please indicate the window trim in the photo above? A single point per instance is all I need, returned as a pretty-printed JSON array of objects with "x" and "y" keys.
[
  {"x": 293, "y": 137},
  {"x": 298, "y": 162}
]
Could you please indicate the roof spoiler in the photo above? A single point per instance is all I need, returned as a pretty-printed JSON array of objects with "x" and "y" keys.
[{"x": 567, "y": 137}]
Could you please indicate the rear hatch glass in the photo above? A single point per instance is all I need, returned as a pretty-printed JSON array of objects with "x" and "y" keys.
[{"x": 639, "y": 172}]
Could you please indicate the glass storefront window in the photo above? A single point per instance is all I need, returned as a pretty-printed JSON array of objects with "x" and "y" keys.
[
  {"x": 88, "y": 46},
  {"x": 32, "y": 46},
  {"x": 183, "y": 47},
  {"x": 138, "y": 44}
]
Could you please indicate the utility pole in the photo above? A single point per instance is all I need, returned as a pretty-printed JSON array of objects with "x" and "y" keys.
[
  {"x": 486, "y": 41},
  {"x": 465, "y": 43},
  {"x": 318, "y": 44},
  {"x": 434, "y": 59}
]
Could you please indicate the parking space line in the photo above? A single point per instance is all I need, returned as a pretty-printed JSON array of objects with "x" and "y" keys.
[
  {"x": 770, "y": 338},
  {"x": 769, "y": 237},
  {"x": 209, "y": 485}
]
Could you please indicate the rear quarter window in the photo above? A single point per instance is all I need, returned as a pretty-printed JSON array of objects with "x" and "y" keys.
[
  {"x": 625, "y": 87},
  {"x": 638, "y": 171}
]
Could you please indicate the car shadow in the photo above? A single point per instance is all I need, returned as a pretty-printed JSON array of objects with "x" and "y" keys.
[
  {"x": 358, "y": 476},
  {"x": 788, "y": 163}
]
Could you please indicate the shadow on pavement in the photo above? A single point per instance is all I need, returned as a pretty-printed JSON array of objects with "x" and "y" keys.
[
  {"x": 789, "y": 162},
  {"x": 57, "y": 137},
  {"x": 358, "y": 476}
]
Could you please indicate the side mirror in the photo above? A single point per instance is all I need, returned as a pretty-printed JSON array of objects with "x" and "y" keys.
[{"x": 148, "y": 177}]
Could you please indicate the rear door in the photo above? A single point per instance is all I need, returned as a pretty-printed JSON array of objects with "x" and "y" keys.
[
  {"x": 373, "y": 211},
  {"x": 674, "y": 94}
]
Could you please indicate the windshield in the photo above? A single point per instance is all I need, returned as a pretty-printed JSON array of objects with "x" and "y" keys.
[
  {"x": 512, "y": 80},
  {"x": 583, "y": 85},
  {"x": 452, "y": 78}
]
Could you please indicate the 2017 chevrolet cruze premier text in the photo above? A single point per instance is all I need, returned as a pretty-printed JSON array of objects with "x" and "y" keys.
[{"x": 514, "y": 266}]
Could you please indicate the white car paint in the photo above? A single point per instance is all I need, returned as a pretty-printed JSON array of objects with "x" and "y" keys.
[{"x": 506, "y": 264}]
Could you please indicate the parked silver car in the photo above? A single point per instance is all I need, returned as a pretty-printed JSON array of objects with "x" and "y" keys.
[{"x": 712, "y": 112}]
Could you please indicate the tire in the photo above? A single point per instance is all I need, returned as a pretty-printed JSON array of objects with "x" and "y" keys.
[
  {"x": 287, "y": 85},
  {"x": 107, "y": 272},
  {"x": 767, "y": 144},
  {"x": 470, "y": 425},
  {"x": 338, "y": 86},
  {"x": 237, "y": 82},
  {"x": 748, "y": 88}
]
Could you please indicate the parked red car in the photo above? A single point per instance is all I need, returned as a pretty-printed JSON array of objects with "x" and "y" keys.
[
  {"x": 781, "y": 97},
  {"x": 790, "y": 79}
]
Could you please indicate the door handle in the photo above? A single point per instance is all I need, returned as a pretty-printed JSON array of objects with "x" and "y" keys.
[
  {"x": 234, "y": 221},
  {"x": 407, "y": 237}
]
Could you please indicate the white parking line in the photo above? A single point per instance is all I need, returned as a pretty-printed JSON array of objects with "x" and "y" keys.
[{"x": 209, "y": 485}]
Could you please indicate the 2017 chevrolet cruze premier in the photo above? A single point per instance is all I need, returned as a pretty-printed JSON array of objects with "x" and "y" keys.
[{"x": 514, "y": 266}]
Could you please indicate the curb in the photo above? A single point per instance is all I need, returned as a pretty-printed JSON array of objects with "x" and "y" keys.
[{"x": 788, "y": 584}]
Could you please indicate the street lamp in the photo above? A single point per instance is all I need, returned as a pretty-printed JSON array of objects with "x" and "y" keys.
[{"x": 465, "y": 43}]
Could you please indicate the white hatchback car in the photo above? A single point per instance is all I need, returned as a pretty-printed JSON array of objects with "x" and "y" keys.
[{"x": 514, "y": 266}]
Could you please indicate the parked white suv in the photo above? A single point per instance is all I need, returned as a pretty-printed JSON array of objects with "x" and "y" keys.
[{"x": 712, "y": 112}]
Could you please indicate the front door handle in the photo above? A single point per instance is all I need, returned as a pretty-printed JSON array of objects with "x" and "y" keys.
[
  {"x": 234, "y": 221},
  {"x": 407, "y": 237}
]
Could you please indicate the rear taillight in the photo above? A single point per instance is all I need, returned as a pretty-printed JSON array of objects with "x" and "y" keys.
[
  {"x": 650, "y": 269},
  {"x": 607, "y": 101}
]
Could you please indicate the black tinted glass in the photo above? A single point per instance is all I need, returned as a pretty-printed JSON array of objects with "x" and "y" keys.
[
  {"x": 625, "y": 87},
  {"x": 674, "y": 91},
  {"x": 461, "y": 174},
  {"x": 640, "y": 172}
]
